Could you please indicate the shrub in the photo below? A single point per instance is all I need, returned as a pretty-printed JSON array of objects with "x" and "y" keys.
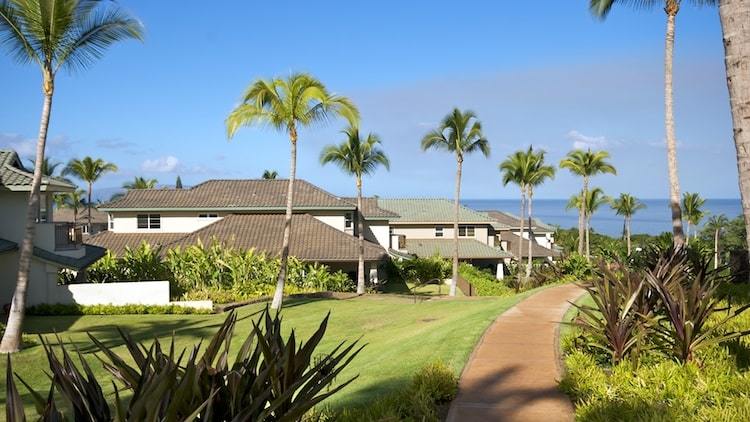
[
  {"x": 424, "y": 270},
  {"x": 59, "y": 309},
  {"x": 270, "y": 378},
  {"x": 139, "y": 264},
  {"x": 484, "y": 283}
]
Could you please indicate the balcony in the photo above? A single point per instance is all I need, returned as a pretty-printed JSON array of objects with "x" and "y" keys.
[{"x": 59, "y": 237}]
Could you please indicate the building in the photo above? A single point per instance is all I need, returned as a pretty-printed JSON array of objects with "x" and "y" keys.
[
  {"x": 98, "y": 219},
  {"x": 57, "y": 245},
  {"x": 507, "y": 236}
]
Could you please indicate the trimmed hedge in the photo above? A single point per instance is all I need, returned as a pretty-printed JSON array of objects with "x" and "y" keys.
[
  {"x": 59, "y": 309},
  {"x": 485, "y": 283}
]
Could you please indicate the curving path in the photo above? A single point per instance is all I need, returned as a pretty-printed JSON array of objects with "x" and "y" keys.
[{"x": 513, "y": 372}]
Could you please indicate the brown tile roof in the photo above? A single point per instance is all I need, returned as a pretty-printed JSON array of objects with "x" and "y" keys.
[
  {"x": 537, "y": 250},
  {"x": 66, "y": 215},
  {"x": 252, "y": 194},
  {"x": 513, "y": 221},
  {"x": 117, "y": 242},
  {"x": 370, "y": 208},
  {"x": 311, "y": 239}
]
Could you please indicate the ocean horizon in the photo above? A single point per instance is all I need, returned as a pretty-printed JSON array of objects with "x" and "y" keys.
[{"x": 653, "y": 220}]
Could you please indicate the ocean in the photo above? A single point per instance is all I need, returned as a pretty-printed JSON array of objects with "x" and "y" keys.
[{"x": 654, "y": 219}]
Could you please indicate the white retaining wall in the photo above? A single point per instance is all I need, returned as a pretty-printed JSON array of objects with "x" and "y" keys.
[{"x": 140, "y": 292}]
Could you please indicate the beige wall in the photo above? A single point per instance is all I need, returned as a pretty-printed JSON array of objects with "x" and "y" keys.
[
  {"x": 427, "y": 231},
  {"x": 13, "y": 211}
]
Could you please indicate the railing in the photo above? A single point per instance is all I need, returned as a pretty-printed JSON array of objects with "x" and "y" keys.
[
  {"x": 466, "y": 288},
  {"x": 68, "y": 236}
]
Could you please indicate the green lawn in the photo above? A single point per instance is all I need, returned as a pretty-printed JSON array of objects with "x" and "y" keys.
[{"x": 401, "y": 336}]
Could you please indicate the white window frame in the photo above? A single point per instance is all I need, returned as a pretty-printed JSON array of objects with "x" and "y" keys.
[
  {"x": 153, "y": 221},
  {"x": 467, "y": 230}
]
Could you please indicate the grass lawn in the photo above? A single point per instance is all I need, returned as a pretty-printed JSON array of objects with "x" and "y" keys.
[{"x": 401, "y": 336}]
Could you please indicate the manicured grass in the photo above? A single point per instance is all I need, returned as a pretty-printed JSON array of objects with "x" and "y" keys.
[{"x": 401, "y": 336}]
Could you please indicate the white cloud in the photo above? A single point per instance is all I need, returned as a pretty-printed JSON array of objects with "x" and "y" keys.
[
  {"x": 23, "y": 146},
  {"x": 581, "y": 141},
  {"x": 161, "y": 165}
]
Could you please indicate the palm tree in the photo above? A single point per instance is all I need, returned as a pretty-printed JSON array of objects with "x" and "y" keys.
[
  {"x": 716, "y": 224},
  {"x": 590, "y": 202},
  {"x": 48, "y": 166},
  {"x": 69, "y": 34},
  {"x": 734, "y": 16},
  {"x": 586, "y": 164},
  {"x": 538, "y": 174},
  {"x": 459, "y": 133},
  {"x": 74, "y": 200},
  {"x": 357, "y": 157},
  {"x": 627, "y": 205},
  {"x": 140, "y": 183},
  {"x": 89, "y": 171},
  {"x": 692, "y": 207},
  {"x": 601, "y": 9},
  {"x": 288, "y": 105},
  {"x": 270, "y": 174}
]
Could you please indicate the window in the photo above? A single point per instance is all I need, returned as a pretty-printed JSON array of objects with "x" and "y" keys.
[
  {"x": 149, "y": 221},
  {"x": 348, "y": 221},
  {"x": 208, "y": 215},
  {"x": 466, "y": 231},
  {"x": 111, "y": 221},
  {"x": 438, "y": 231}
]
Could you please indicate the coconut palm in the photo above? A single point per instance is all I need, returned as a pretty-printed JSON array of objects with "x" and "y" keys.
[
  {"x": 68, "y": 34},
  {"x": 735, "y": 14},
  {"x": 140, "y": 183},
  {"x": 515, "y": 169},
  {"x": 460, "y": 133},
  {"x": 357, "y": 157},
  {"x": 49, "y": 167},
  {"x": 627, "y": 205},
  {"x": 288, "y": 105},
  {"x": 589, "y": 202},
  {"x": 88, "y": 170},
  {"x": 716, "y": 225},
  {"x": 74, "y": 200},
  {"x": 586, "y": 164},
  {"x": 601, "y": 9},
  {"x": 270, "y": 174},
  {"x": 692, "y": 207},
  {"x": 539, "y": 173}
]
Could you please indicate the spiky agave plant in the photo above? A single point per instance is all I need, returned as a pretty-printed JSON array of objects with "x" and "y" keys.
[{"x": 270, "y": 378}]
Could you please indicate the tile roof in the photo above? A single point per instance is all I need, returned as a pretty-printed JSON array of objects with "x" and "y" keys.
[
  {"x": 66, "y": 215},
  {"x": 537, "y": 250},
  {"x": 311, "y": 239},
  {"x": 251, "y": 194},
  {"x": 14, "y": 176},
  {"x": 371, "y": 210},
  {"x": 467, "y": 249},
  {"x": 426, "y": 210},
  {"x": 7, "y": 245},
  {"x": 512, "y": 221}
]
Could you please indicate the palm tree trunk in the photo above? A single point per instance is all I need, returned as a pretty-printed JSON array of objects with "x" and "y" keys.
[
  {"x": 520, "y": 237},
  {"x": 582, "y": 215},
  {"x": 716, "y": 248},
  {"x": 588, "y": 234},
  {"x": 361, "y": 241},
  {"x": 88, "y": 207},
  {"x": 11, "y": 341},
  {"x": 454, "y": 279},
  {"x": 531, "y": 234},
  {"x": 674, "y": 181},
  {"x": 735, "y": 25},
  {"x": 627, "y": 234},
  {"x": 687, "y": 238},
  {"x": 278, "y": 295}
]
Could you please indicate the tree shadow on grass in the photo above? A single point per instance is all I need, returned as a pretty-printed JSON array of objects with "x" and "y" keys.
[{"x": 740, "y": 350}]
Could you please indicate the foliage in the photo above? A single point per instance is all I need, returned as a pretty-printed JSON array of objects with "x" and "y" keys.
[
  {"x": 432, "y": 387},
  {"x": 424, "y": 270},
  {"x": 140, "y": 264},
  {"x": 270, "y": 378},
  {"x": 484, "y": 283},
  {"x": 140, "y": 183},
  {"x": 270, "y": 174},
  {"x": 59, "y": 309},
  {"x": 626, "y": 205}
]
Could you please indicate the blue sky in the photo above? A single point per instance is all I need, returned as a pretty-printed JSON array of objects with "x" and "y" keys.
[{"x": 548, "y": 75}]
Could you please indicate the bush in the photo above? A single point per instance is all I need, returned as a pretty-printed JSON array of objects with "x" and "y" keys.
[
  {"x": 424, "y": 270},
  {"x": 59, "y": 309},
  {"x": 140, "y": 264},
  {"x": 484, "y": 283}
]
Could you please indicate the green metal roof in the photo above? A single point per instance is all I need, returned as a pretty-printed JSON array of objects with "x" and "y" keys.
[
  {"x": 426, "y": 210},
  {"x": 467, "y": 249},
  {"x": 14, "y": 176}
]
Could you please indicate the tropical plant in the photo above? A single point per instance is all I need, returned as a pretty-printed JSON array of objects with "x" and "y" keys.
[
  {"x": 270, "y": 174},
  {"x": 69, "y": 34},
  {"x": 357, "y": 157},
  {"x": 74, "y": 200},
  {"x": 49, "y": 167},
  {"x": 178, "y": 183},
  {"x": 538, "y": 173},
  {"x": 734, "y": 16},
  {"x": 272, "y": 377},
  {"x": 89, "y": 170},
  {"x": 140, "y": 183},
  {"x": 586, "y": 164},
  {"x": 592, "y": 199},
  {"x": 692, "y": 207},
  {"x": 459, "y": 133},
  {"x": 288, "y": 105},
  {"x": 627, "y": 205},
  {"x": 715, "y": 227}
]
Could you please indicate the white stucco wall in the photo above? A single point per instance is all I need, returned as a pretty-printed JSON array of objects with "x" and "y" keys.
[
  {"x": 424, "y": 231},
  {"x": 13, "y": 212},
  {"x": 378, "y": 231},
  {"x": 140, "y": 292}
]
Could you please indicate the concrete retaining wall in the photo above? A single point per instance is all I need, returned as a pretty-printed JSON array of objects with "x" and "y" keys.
[{"x": 140, "y": 293}]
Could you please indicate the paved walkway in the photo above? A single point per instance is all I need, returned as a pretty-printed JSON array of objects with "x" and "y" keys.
[{"x": 512, "y": 374}]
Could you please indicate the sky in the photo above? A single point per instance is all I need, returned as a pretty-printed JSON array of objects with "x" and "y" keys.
[{"x": 543, "y": 73}]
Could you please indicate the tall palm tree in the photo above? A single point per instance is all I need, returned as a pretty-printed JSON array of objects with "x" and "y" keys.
[
  {"x": 716, "y": 225},
  {"x": 357, "y": 157},
  {"x": 538, "y": 174},
  {"x": 288, "y": 105},
  {"x": 590, "y": 202},
  {"x": 515, "y": 169},
  {"x": 53, "y": 35},
  {"x": 692, "y": 207},
  {"x": 74, "y": 200},
  {"x": 140, "y": 183},
  {"x": 88, "y": 170},
  {"x": 49, "y": 167},
  {"x": 270, "y": 174},
  {"x": 735, "y": 14},
  {"x": 627, "y": 205},
  {"x": 459, "y": 133},
  {"x": 601, "y": 9},
  {"x": 586, "y": 164}
]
